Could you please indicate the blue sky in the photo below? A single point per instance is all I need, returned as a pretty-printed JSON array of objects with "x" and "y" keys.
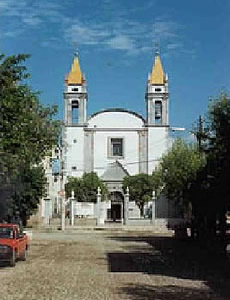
[{"x": 116, "y": 42}]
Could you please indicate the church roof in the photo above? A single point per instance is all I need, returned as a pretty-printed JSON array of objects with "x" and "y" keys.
[
  {"x": 114, "y": 172},
  {"x": 117, "y": 110},
  {"x": 157, "y": 75},
  {"x": 75, "y": 75}
]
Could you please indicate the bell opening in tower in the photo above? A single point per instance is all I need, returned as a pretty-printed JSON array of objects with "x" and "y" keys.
[
  {"x": 158, "y": 112},
  {"x": 75, "y": 107}
]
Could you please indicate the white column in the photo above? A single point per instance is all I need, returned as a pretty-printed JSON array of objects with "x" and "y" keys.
[
  {"x": 164, "y": 112},
  {"x": 47, "y": 211},
  {"x": 126, "y": 206},
  {"x": 62, "y": 189},
  {"x": 100, "y": 219},
  {"x": 62, "y": 213},
  {"x": 153, "y": 207},
  {"x": 72, "y": 209}
]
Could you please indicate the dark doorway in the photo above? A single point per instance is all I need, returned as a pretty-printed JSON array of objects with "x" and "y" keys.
[{"x": 116, "y": 212}]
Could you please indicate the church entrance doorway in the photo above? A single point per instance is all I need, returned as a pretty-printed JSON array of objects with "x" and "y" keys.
[{"x": 115, "y": 214}]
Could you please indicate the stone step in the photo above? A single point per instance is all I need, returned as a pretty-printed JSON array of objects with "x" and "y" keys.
[{"x": 121, "y": 228}]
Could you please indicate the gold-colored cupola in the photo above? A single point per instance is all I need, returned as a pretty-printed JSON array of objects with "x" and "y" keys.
[
  {"x": 75, "y": 76},
  {"x": 157, "y": 76}
]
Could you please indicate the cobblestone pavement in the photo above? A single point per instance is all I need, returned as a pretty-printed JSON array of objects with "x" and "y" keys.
[{"x": 102, "y": 265}]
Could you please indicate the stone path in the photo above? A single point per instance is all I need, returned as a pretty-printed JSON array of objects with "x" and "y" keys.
[{"x": 103, "y": 265}]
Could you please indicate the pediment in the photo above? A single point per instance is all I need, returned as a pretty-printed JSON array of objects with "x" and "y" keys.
[{"x": 114, "y": 172}]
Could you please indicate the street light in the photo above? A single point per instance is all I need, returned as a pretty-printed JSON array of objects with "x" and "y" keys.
[{"x": 177, "y": 129}]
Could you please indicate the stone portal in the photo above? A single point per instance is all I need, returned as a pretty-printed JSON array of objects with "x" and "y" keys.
[{"x": 115, "y": 213}]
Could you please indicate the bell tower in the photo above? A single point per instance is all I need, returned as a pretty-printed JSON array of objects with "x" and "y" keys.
[
  {"x": 75, "y": 96},
  {"x": 157, "y": 95}
]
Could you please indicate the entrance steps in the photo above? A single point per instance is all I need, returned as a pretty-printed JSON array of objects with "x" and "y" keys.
[{"x": 82, "y": 224}]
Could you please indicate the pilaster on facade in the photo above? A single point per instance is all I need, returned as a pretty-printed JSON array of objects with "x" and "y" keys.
[
  {"x": 143, "y": 151},
  {"x": 89, "y": 151}
]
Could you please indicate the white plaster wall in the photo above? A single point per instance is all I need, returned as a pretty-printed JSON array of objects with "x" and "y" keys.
[
  {"x": 53, "y": 184},
  {"x": 74, "y": 155},
  {"x": 152, "y": 88},
  {"x": 42, "y": 208},
  {"x": 131, "y": 155},
  {"x": 84, "y": 209},
  {"x": 114, "y": 125},
  {"x": 158, "y": 144},
  {"x": 55, "y": 187},
  {"x": 115, "y": 120},
  {"x": 71, "y": 87}
]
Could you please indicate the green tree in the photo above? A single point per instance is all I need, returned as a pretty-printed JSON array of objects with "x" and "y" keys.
[
  {"x": 75, "y": 184},
  {"x": 141, "y": 187},
  {"x": 218, "y": 148},
  {"x": 216, "y": 173},
  {"x": 178, "y": 169},
  {"x": 85, "y": 187},
  {"x": 28, "y": 130},
  {"x": 31, "y": 186}
]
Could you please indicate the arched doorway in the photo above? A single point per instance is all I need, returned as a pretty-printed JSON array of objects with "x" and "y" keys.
[{"x": 115, "y": 213}]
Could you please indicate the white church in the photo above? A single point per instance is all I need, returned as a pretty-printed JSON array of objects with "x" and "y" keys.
[{"x": 115, "y": 142}]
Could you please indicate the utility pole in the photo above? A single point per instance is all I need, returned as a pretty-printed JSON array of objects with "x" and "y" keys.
[{"x": 200, "y": 133}]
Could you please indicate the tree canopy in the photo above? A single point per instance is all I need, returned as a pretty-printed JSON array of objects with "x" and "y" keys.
[
  {"x": 212, "y": 185},
  {"x": 178, "y": 168},
  {"x": 218, "y": 146},
  {"x": 85, "y": 187},
  {"x": 28, "y": 130},
  {"x": 199, "y": 174},
  {"x": 141, "y": 187}
]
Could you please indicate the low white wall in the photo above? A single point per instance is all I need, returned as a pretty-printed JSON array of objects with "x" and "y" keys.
[{"x": 85, "y": 209}]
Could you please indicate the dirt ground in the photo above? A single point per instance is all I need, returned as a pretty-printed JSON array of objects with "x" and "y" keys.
[{"x": 91, "y": 265}]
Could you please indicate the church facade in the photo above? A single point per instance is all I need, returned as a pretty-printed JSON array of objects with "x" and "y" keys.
[{"x": 115, "y": 142}]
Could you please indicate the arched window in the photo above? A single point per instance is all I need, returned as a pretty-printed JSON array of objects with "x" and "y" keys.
[
  {"x": 75, "y": 111},
  {"x": 158, "y": 112}
]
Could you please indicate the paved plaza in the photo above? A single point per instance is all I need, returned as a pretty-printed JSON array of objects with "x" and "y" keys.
[{"x": 108, "y": 265}]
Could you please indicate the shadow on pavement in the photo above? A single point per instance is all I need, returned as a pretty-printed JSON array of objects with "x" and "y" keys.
[
  {"x": 167, "y": 256},
  {"x": 168, "y": 292},
  {"x": 4, "y": 265}
]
